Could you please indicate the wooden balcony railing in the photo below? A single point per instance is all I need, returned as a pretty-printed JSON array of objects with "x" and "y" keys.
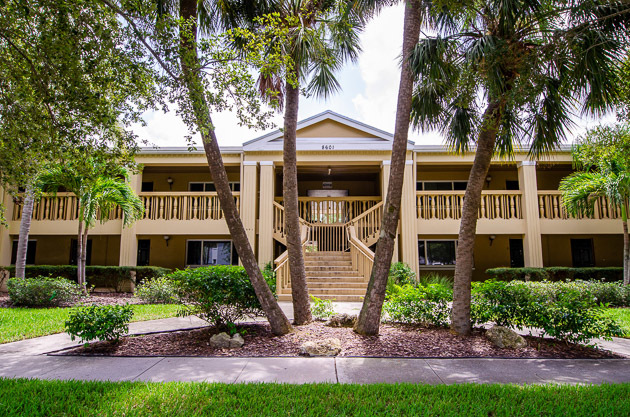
[
  {"x": 442, "y": 205},
  {"x": 62, "y": 206},
  {"x": 183, "y": 206},
  {"x": 333, "y": 210},
  {"x": 550, "y": 207}
]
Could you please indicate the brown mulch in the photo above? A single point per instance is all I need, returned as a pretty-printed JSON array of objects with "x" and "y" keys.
[
  {"x": 103, "y": 298},
  {"x": 393, "y": 341}
]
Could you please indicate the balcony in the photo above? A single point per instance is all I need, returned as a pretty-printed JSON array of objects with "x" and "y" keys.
[{"x": 555, "y": 220}]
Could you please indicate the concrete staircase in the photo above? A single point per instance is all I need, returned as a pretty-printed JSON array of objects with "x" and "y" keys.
[{"x": 330, "y": 276}]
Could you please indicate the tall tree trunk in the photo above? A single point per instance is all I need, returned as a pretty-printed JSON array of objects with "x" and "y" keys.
[
  {"x": 299, "y": 287},
  {"x": 460, "y": 316},
  {"x": 188, "y": 57},
  {"x": 79, "y": 246},
  {"x": 370, "y": 317},
  {"x": 84, "y": 243},
  {"x": 25, "y": 227},
  {"x": 626, "y": 244}
]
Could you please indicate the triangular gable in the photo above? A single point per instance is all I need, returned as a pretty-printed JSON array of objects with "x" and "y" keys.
[{"x": 327, "y": 131}]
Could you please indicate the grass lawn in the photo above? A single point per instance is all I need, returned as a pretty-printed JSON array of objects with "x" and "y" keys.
[
  {"x": 21, "y": 397},
  {"x": 25, "y": 323},
  {"x": 622, "y": 316}
]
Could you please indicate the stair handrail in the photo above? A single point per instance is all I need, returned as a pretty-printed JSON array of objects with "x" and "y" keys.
[
  {"x": 362, "y": 257},
  {"x": 361, "y": 218},
  {"x": 283, "y": 277}
]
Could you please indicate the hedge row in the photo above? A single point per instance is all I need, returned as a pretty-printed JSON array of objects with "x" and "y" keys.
[
  {"x": 556, "y": 273},
  {"x": 116, "y": 277}
]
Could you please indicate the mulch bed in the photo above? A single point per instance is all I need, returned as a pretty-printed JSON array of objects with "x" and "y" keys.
[
  {"x": 393, "y": 341},
  {"x": 103, "y": 298}
]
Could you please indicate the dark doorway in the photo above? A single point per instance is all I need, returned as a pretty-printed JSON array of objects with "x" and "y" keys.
[
  {"x": 73, "y": 252},
  {"x": 517, "y": 259},
  {"x": 144, "y": 252},
  {"x": 582, "y": 253},
  {"x": 31, "y": 248}
]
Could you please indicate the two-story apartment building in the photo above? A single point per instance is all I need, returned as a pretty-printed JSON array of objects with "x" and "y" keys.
[{"x": 343, "y": 167}]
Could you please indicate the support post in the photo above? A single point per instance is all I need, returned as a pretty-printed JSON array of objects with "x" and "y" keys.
[
  {"x": 249, "y": 193},
  {"x": 532, "y": 242},
  {"x": 408, "y": 220},
  {"x": 265, "y": 216},
  {"x": 128, "y": 241}
]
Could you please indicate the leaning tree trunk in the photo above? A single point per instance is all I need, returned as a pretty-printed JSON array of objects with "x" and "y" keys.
[
  {"x": 25, "y": 227},
  {"x": 299, "y": 287},
  {"x": 83, "y": 252},
  {"x": 188, "y": 57},
  {"x": 460, "y": 316},
  {"x": 79, "y": 246},
  {"x": 370, "y": 317}
]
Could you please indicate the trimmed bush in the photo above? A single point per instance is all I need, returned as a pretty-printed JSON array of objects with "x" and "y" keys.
[
  {"x": 420, "y": 304},
  {"x": 105, "y": 323},
  {"x": 157, "y": 291},
  {"x": 116, "y": 277},
  {"x": 321, "y": 309},
  {"x": 556, "y": 273},
  {"x": 566, "y": 311},
  {"x": 220, "y": 295},
  {"x": 43, "y": 291}
]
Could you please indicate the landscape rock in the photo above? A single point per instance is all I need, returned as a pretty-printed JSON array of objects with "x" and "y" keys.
[
  {"x": 221, "y": 340},
  {"x": 325, "y": 347},
  {"x": 342, "y": 320},
  {"x": 237, "y": 341},
  {"x": 502, "y": 337}
]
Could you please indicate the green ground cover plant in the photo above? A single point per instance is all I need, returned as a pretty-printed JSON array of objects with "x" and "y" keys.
[
  {"x": 21, "y": 397},
  {"x": 556, "y": 273},
  {"x": 25, "y": 323},
  {"x": 105, "y": 323},
  {"x": 622, "y": 317},
  {"x": 321, "y": 309}
]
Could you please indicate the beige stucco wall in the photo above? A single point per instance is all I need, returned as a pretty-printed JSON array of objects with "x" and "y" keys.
[
  {"x": 181, "y": 179},
  {"x": 174, "y": 255},
  {"x": 608, "y": 249},
  {"x": 331, "y": 129},
  {"x": 55, "y": 250}
]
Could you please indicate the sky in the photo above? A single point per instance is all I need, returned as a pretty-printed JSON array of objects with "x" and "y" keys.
[{"x": 369, "y": 91}]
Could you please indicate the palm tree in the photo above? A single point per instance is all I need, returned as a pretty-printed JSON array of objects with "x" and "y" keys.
[
  {"x": 369, "y": 318},
  {"x": 605, "y": 175},
  {"x": 98, "y": 194},
  {"x": 29, "y": 197},
  {"x": 322, "y": 35},
  {"x": 501, "y": 73}
]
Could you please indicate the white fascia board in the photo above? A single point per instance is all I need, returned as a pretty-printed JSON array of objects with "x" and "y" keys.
[{"x": 178, "y": 150}]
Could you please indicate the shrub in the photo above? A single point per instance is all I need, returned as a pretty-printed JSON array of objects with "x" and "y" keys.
[
  {"x": 116, "y": 277},
  {"x": 270, "y": 276},
  {"x": 434, "y": 278},
  {"x": 157, "y": 291},
  {"x": 321, "y": 309},
  {"x": 105, "y": 323},
  {"x": 420, "y": 304},
  {"x": 42, "y": 291},
  {"x": 399, "y": 274},
  {"x": 566, "y": 311},
  {"x": 220, "y": 295},
  {"x": 556, "y": 273}
]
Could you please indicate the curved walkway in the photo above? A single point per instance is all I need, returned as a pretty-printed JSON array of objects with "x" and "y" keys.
[{"x": 29, "y": 359}]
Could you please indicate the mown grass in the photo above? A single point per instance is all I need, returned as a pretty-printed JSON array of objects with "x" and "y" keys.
[
  {"x": 25, "y": 323},
  {"x": 622, "y": 316},
  {"x": 21, "y": 397}
]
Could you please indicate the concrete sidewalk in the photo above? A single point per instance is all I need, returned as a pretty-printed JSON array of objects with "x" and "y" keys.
[{"x": 29, "y": 359}]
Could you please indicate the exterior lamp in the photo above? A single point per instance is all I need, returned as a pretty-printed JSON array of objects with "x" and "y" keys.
[
  {"x": 170, "y": 183},
  {"x": 488, "y": 179},
  {"x": 491, "y": 238},
  {"x": 166, "y": 239}
]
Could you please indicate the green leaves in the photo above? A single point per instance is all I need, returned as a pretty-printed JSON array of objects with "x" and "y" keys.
[{"x": 105, "y": 323}]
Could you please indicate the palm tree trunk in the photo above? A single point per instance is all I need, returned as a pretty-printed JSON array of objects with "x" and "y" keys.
[
  {"x": 626, "y": 244},
  {"x": 299, "y": 287},
  {"x": 188, "y": 57},
  {"x": 25, "y": 227},
  {"x": 83, "y": 282},
  {"x": 460, "y": 316},
  {"x": 79, "y": 247},
  {"x": 370, "y": 317}
]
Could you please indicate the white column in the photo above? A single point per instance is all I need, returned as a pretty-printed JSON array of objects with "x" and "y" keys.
[
  {"x": 532, "y": 243},
  {"x": 128, "y": 241},
  {"x": 265, "y": 210},
  {"x": 249, "y": 192},
  {"x": 408, "y": 220}
]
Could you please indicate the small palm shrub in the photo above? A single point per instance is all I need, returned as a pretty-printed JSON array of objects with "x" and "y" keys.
[
  {"x": 43, "y": 291},
  {"x": 156, "y": 291},
  {"x": 220, "y": 295},
  {"x": 400, "y": 274},
  {"x": 105, "y": 323},
  {"x": 419, "y": 304},
  {"x": 321, "y": 309},
  {"x": 434, "y": 278}
]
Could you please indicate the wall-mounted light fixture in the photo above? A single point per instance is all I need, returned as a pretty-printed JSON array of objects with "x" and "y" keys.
[
  {"x": 488, "y": 179},
  {"x": 166, "y": 239},
  {"x": 170, "y": 183},
  {"x": 329, "y": 170},
  {"x": 491, "y": 239}
]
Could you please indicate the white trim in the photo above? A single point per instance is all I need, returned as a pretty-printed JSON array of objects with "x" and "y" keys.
[
  {"x": 527, "y": 163},
  {"x": 409, "y": 162},
  {"x": 207, "y": 240},
  {"x": 386, "y": 162},
  {"x": 266, "y": 163},
  {"x": 250, "y": 163}
]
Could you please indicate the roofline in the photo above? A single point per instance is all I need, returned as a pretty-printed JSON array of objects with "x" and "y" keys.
[
  {"x": 150, "y": 150},
  {"x": 564, "y": 147}
]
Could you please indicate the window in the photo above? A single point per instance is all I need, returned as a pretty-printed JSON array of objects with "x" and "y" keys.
[
  {"x": 147, "y": 186},
  {"x": 517, "y": 260},
  {"x": 436, "y": 252},
  {"x": 198, "y": 187},
  {"x": 582, "y": 253},
  {"x": 31, "y": 249},
  {"x": 73, "y": 252},
  {"x": 144, "y": 252},
  {"x": 208, "y": 252},
  {"x": 511, "y": 185},
  {"x": 441, "y": 185}
]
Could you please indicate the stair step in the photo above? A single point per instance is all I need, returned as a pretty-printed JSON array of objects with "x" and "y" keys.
[
  {"x": 327, "y": 263},
  {"x": 337, "y": 285},
  {"x": 311, "y": 268},
  {"x": 336, "y": 297},
  {"x": 354, "y": 280}
]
